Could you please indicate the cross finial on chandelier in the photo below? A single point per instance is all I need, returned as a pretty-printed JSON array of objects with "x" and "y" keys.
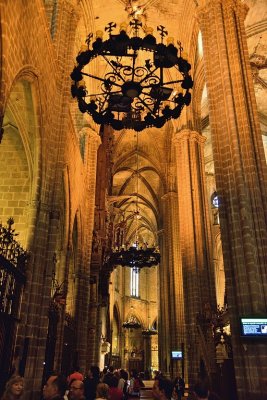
[
  {"x": 162, "y": 31},
  {"x": 136, "y": 25},
  {"x": 110, "y": 27}
]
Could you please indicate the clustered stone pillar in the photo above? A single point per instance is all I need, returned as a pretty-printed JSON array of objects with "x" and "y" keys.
[
  {"x": 92, "y": 144},
  {"x": 196, "y": 245},
  {"x": 93, "y": 346},
  {"x": 34, "y": 314},
  {"x": 241, "y": 177},
  {"x": 171, "y": 315}
]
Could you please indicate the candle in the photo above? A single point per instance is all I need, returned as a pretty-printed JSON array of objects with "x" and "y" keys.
[
  {"x": 99, "y": 34},
  {"x": 149, "y": 30},
  {"x": 81, "y": 83},
  {"x": 170, "y": 40},
  {"x": 184, "y": 55},
  {"x": 123, "y": 26},
  {"x": 83, "y": 48}
]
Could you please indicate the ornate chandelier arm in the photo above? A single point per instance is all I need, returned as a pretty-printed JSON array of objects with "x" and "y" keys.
[
  {"x": 99, "y": 79},
  {"x": 101, "y": 94},
  {"x": 134, "y": 59},
  {"x": 142, "y": 101},
  {"x": 156, "y": 106},
  {"x": 113, "y": 68},
  {"x": 170, "y": 82},
  {"x": 147, "y": 76},
  {"x": 161, "y": 76},
  {"x": 103, "y": 103}
]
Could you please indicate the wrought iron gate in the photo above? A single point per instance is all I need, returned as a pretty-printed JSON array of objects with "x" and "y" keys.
[{"x": 12, "y": 279}]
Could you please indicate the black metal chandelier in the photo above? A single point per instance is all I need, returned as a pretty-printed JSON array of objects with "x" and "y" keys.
[
  {"x": 149, "y": 332},
  {"x": 131, "y": 323},
  {"x": 131, "y": 90},
  {"x": 135, "y": 257}
]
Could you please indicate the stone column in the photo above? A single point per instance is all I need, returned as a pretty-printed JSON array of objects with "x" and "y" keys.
[
  {"x": 196, "y": 245},
  {"x": 37, "y": 296},
  {"x": 88, "y": 208},
  {"x": 171, "y": 315},
  {"x": 241, "y": 177},
  {"x": 93, "y": 346}
]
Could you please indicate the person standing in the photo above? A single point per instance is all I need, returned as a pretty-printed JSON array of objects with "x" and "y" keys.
[
  {"x": 76, "y": 391},
  {"x": 14, "y": 388},
  {"x": 201, "y": 391},
  {"x": 162, "y": 389},
  {"x": 76, "y": 374},
  {"x": 55, "y": 388},
  {"x": 91, "y": 382},
  {"x": 102, "y": 392},
  {"x": 114, "y": 392},
  {"x": 179, "y": 386}
]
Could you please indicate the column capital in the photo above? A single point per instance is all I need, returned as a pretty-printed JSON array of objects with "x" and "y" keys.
[
  {"x": 188, "y": 135},
  {"x": 68, "y": 6},
  {"x": 240, "y": 8}
]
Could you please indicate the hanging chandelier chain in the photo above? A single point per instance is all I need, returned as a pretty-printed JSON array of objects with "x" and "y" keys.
[{"x": 137, "y": 188}]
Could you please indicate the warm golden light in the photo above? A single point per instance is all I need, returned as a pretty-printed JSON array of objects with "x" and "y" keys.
[
  {"x": 149, "y": 30},
  {"x": 123, "y": 26},
  {"x": 99, "y": 34},
  {"x": 170, "y": 40},
  {"x": 83, "y": 48}
]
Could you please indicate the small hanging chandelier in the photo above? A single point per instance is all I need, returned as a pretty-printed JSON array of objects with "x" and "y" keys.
[
  {"x": 135, "y": 257},
  {"x": 131, "y": 323},
  {"x": 149, "y": 332},
  {"x": 142, "y": 84}
]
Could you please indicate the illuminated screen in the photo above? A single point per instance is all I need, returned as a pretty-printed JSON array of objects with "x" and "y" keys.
[
  {"x": 177, "y": 355},
  {"x": 254, "y": 327}
]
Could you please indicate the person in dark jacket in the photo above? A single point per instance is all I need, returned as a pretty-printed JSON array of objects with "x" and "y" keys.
[
  {"x": 76, "y": 391},
  {"x": 55, "y": 388},
  {"x": 91, "y": 382},
  {"x": 179, "y": 386},
  {"x": 162, "y": 389}
]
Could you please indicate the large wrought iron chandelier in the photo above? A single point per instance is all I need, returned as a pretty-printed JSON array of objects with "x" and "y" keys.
[{"x": 142, "y": 84}]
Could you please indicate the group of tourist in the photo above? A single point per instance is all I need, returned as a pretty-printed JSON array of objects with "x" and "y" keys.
[{"x": 110, "y": 384}]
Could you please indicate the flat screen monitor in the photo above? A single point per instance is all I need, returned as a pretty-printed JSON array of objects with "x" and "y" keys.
[
  {"x": 177, "y": 354},
  {"x": 254, "y": 327}
]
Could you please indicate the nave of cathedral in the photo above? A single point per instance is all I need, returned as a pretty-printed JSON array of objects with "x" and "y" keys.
[{"x": 83, "y": 194}]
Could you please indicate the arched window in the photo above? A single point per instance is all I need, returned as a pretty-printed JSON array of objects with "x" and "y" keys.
[
  {"x": 134, "y": 282},
  {"x": 200, "y": 45}
]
